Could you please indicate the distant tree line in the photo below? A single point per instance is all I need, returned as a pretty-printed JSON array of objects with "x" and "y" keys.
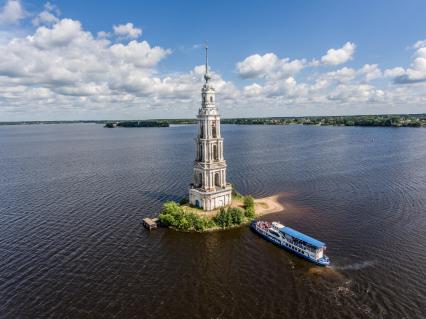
[
  {"x": 137, "y": 124},
  {"x": 409, "y": 120},
  {"x": 389, "y": 120}
]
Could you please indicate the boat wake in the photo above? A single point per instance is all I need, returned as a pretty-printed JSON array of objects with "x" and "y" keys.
[{"x": 356, "y": 266}]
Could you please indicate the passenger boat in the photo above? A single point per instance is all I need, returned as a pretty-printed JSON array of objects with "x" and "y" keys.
[{"x": 292, "y": 240}]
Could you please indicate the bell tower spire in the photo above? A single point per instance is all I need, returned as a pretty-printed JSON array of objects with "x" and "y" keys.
[{"x": 206, "y": 74}]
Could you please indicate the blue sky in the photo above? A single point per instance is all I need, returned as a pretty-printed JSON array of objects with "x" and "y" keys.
[
  {"x": 269, "y": 58},
  {"x": 382, "y": 30}
]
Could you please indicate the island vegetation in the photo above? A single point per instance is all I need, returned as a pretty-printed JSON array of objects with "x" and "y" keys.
[{"x": 183, "y": 217}]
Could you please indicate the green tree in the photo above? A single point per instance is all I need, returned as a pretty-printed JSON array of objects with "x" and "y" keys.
[
  {"x": 237, "y": 215},
  {"x": 167, "y": 219},
  {"x": 223, "y": 218},
  {"x": 183, "y": 224},
  {"x": 250, "y": 212},
  {"x": 196, "y": 222},
  {"x": 248, "y": 201},
  {"x": 172, "y": 208}
]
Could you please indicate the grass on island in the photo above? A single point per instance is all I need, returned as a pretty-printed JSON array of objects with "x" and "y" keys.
[{"x": 183, "y": 217}]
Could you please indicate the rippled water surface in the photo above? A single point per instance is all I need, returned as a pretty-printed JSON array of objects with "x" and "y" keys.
[{"x": 71, "y": 243}]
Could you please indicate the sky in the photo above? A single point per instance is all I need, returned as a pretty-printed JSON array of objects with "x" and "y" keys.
[{"x": 81, "y": 60}]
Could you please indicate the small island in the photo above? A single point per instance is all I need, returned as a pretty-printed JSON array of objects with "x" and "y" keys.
[
  {"x": 212, "y": 202},
  {"x": 243, "y": 209},
  {"x": 137, "y": 124}
]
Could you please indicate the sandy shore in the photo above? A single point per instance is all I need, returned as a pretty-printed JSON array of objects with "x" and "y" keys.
[
  {"x": 263, "y": 206},
  {"x": 268, "y": 205}
]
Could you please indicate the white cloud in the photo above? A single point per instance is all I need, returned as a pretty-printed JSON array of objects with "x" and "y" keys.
[
  {"x": 48, "y": 15},
  {"x": 45, "y": 17},
  {"x": 344, "y": 74},
  {"x": 12, "y": 12},
  {"x": 395, "y": 72},
  {"x": 60, "y": 68},
  {"x": 268, "y": 65},
  {"x": 64, "y": 33},
  {"x": 253, "y": 90},
  {"x": 69, "y": 61},
  {"x": 419, "y": 44},
  {"x": 370, "y": 72},
  {"x": 417, "y": 70},
  {"x": 127, "y": 31},
  {"x": 103, "y": 34},
  {"x": 356, "y": 93},
  {"x": 339, "y": 56},
  {"x": 139, "y": 54}
]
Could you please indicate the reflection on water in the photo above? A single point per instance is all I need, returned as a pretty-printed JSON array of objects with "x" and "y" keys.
[{"x": 71, "y": 243}]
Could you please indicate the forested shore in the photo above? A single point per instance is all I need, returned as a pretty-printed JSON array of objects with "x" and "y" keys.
[{"x": 387, "y": 120}]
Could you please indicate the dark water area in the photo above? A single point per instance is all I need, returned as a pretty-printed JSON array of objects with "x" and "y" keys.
[{"x": 72, "y": 198}]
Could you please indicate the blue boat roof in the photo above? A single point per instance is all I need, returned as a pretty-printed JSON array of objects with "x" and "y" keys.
[{"x": 307, "y": 239}]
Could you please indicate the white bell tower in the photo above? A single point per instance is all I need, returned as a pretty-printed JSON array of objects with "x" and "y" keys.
[{"x": 209, "y": 189}]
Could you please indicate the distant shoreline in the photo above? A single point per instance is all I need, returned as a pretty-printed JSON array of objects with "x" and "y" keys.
[{"x": 385, "y": 120}]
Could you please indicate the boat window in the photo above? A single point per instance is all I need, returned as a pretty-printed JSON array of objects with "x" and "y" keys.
[{"x": 274, "y": 233}]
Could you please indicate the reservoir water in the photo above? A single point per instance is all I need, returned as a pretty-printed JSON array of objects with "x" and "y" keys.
[{"x": 72, "y": 198}]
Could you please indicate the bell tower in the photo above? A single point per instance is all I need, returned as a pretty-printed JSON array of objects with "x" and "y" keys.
[{"x": 209, "y": 189}]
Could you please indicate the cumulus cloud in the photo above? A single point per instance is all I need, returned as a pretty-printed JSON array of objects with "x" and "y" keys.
[
  {"x": 268, "y": 65},
  {"x": 12, "y": 12},
  {"x": 61, "y": 67},
  {"x": 67, "y": 60},
  {"x": 395, "y": 72},
  {"x": 127, "y": 31},
  {"x": 272, "y": 67},
  {"x": 342, "y": 75},
  {"x": 419, "y": 44},
  {"x": 370, "y": 72},
  {"x": 253, "y": 90},
  {"x": 356, "y": 93},
  {"x": 339, "y": 56},
  {"x": 48, "y": 15},
  {"x": 417, "y": 70}
]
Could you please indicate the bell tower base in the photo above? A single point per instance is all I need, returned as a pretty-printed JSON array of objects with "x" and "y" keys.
[{"x": 210, "y": 200}]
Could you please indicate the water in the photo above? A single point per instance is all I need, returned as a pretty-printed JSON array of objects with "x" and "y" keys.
[{"x": 71, "y": 242}]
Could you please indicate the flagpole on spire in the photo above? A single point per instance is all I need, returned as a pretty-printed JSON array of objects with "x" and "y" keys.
[
  {"x": 207, "y": 57},
  {"x": 207, "y": 75}
]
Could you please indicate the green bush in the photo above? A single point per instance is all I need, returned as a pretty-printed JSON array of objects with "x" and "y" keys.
[
  {"x": 248, "y": 201},
  {"x": 221, "y": 218},
  {"x": 208, "y": 223},
  {"x": 196, "y": 222},
  {"x": 174, "y": 215},
  {"x": 250, "y": 212},
  {"x": 231, "y": 216},
  {"x": 183, "y": 224},
  {"x": 237, "y": 215},
  {"x": 172, "y": 208},
  {"x": 167, "y": 219}
]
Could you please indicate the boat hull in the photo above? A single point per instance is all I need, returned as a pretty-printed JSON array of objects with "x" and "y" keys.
[{"x": 279, "y": 244}]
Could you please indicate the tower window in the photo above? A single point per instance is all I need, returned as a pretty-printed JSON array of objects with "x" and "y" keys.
[{"x": 211, "y": 98}]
